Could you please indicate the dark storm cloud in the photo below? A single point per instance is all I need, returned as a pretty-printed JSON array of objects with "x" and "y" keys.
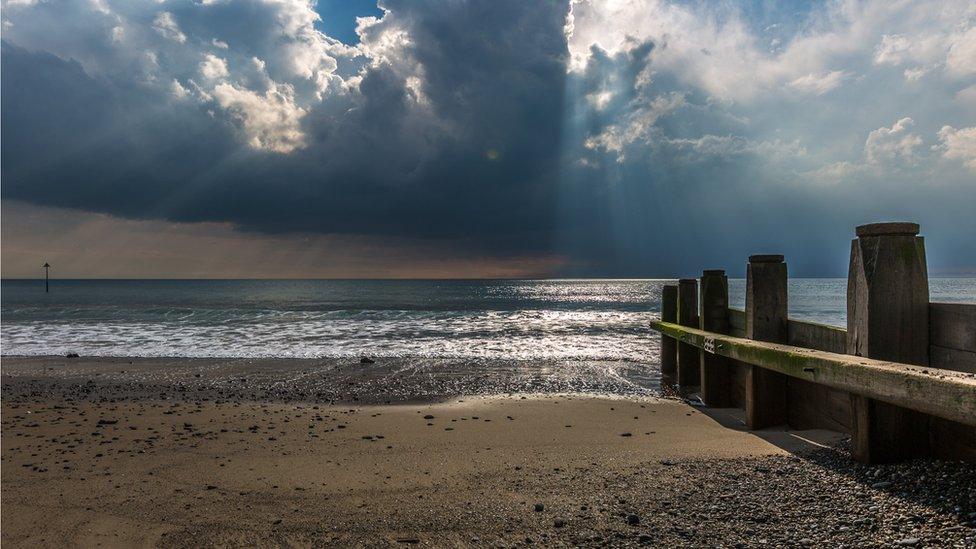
[{"x": 372, "y": 165}]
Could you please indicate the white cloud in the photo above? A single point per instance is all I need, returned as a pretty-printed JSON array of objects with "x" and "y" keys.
[
  {"x": 712, "y": 46},
  {"x": 837, "y": 172},
  {"x": 710, "y": 62},
  {"x": 891, "y": 50},
  {"x": 967, "y": 97},
  {"x": 178, "y": 90},
  {"x": 886, "y": 151},
  {"x": 201, "y": 94},
  {"x": 961, "y": 59},
  {"x": 636, "y": 126},
  {"x": 709, "y": 146},
  {"x": 819, "y": 84},
  {"x": 600, "y": 100},
  {"x": 165, "y": 25},
  {"x": 894, "y": 144},
  {"x": 951, "y": 46},
  {"x": 270, "y": 121},
  {"x": 959, "y": 145},
  {"x": 306, "y": 52},
  {"x": 720, "y": 57},
  {"x": 898, "y": 49},
  {"x": 915, "y": 74},
  {"x": 213, "y": 67}
]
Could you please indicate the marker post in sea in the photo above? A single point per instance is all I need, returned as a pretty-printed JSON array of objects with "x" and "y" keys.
[{"x": 47, "y": 284}]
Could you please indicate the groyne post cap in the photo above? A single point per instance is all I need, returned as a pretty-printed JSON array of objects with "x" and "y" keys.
[
  {"x": 766, "y": 258},
  {"x": 713, "y": 272},
  {"x": 687, "y": 281},
  {"x": 888, "y": 229}
]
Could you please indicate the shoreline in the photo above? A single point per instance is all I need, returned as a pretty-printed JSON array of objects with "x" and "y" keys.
[
  {"x": 384, "y": 381},
  {"x": 91, "y": 460}
]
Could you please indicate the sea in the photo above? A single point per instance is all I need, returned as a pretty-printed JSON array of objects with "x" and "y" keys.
[{"x": 552, "y": 320}]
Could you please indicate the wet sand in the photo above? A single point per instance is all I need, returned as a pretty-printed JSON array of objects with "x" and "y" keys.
[
  {"x": 385, "y": 381},
  {"x": 145, "y": 457}
]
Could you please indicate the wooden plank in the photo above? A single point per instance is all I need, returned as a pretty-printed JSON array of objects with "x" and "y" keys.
[
  {"x": 714, "y": 377},
  {"x": 737, "y": 370},
  {"x": 942, "y": 393},
  {"x": 766, "y": 320},
  {"x": 821, "y": 337},
  {"x": 953, "y": 326},
  {"x": 831, "y": 408},
  {"x": 952, "y": 346},
  {"x": 689, "y": 364},
  {"x": 737, "y": 384},
  {"x": 813, "y": 406},
  {"x": 669, "y": 347},
  {"x": 888, "y": 319},
  {"x": 952, "y": 440},
  {"x": 952, "y": 359},
  {"x": 839, "y": 409},
  {"x": 737, "y": 322}
]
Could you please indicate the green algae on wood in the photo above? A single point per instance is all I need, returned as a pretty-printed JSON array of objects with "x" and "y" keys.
[{"x": 943, "y": 393}]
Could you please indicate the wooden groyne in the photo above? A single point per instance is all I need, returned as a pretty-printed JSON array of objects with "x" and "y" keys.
[{"x": 901, "y": 379}]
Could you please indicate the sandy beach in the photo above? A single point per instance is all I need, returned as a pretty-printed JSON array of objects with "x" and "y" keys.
[{"x": 94, "y": 454}]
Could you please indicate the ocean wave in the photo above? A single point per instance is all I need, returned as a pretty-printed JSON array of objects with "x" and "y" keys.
[{"x": 548, "y": 334}]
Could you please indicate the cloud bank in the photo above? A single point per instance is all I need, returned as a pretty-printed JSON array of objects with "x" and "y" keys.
[{"x": 625, "y": 138}]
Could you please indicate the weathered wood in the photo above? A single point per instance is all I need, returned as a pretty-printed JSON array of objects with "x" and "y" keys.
[
  {"x": 738, "y": 371},
  {"x": 813, "y": 406},
  {"x": 887, "y": 318},
  {"x": 766, "y": 320},
  {"x": 669, "y": 347},
  {"x": 737, "y": 322},
  {"x": 817, "y": 336},
  {"x": 737, "y": 381},
  {"x": 714, "y": 318},
  {"x": 952, "y": 359},
  {"x": 953, "y": 326},
  {"x": 952, "y": 440},
  {"x": 952, "y": 346},
  {"x": 942, "y": 393},
  {"x": 688, "y": 360}
]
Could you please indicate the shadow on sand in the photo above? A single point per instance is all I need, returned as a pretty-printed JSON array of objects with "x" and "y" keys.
[{"x": 945, "y": 487}]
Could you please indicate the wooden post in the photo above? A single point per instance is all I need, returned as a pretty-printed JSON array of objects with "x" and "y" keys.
[
  {"x": 669, "y": 347},
  {"x": 715, "y": 379},
  {"x": 766, "y": 320},
  {"x": 688, "y": 363},
  {"x": 888, "y": 319}
]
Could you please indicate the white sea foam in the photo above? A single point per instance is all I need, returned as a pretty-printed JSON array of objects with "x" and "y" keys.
[
  {"x": 588, "y": 320},
  {"x": 534, "y": 334}
]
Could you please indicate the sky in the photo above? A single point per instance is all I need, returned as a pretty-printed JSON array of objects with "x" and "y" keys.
[{"x": 480, "y": 138}]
